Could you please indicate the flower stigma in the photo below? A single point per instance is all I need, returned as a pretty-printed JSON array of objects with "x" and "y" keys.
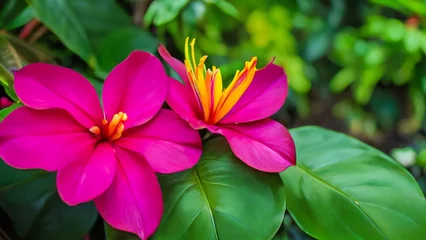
[
  {"x": 113, "y": 130},
  {"x": 214, "y": 100}
]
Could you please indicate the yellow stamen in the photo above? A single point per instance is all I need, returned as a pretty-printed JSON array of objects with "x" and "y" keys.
[
  {"x": 118, "y": 132},
  {"x": 207, "y": 85},
  {"x": 113, "y": 130},
  {"x": 116, "y": 119},
  {"x": 193, "y": 52},
  {"x": 187, "y": 56},
  {"x": 236, "y": 89}
]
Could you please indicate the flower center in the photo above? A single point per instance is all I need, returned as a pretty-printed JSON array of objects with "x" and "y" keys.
[
  {"x": 111, "y": 131},
  {"x": 214, "y": 101}
]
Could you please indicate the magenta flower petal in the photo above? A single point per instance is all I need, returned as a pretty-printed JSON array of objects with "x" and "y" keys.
[
  {"x": 177, "y": 65},
  {"x": 44, "y": 86},
  {"x": 181, "y": 97},
  {"x": 137, "y": 86},
  {"x": 133, "y": 202},
  {"x": 265, "y": 145},
  {"x": 167, "y": 142},
  {"x": 182, "y": 100},
  {"x": 265, "y": 96},
  {"x": 83, "y": 180},
  {"x": 44, "y": 139}
]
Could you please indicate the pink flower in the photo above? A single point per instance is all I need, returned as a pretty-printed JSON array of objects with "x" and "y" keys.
[
  {"x": 239, "y": 112},
  {"x": 109, "y": 156}
]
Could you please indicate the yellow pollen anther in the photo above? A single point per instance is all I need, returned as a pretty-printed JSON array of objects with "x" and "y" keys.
[
  {"x": 96, "y": 130},
  {"x": 118, "y": 132},
  {"x": 111, "y": 130},
  {"x": 116, "y": 119},
  {"x": 215, "y": 101}
]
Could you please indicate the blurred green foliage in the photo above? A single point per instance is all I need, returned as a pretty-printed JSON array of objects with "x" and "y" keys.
[
  {"x": 361, "y": 61},
  {"x": 326, "y": 47},
  {"x": 358, "y": 66}
]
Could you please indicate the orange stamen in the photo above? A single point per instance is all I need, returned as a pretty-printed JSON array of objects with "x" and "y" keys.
[
  {"x": 111, "y": 130},
  {"x": 96, "y": 130},
  {"x": 214, "y": 101}
]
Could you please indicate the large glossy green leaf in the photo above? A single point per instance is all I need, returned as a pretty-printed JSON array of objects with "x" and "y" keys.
[
  {"x": 220, "y": 198},
  {"x": 342, "y": 188},
  {"x": 30, "y": 200},
  {"x": 81, "y": 24}
]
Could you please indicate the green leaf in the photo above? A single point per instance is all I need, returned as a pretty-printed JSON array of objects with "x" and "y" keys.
[
  {"x": 343, "y": 79},
  {"x": 10, "y": 176},
  {"x": 60, "y": 221},
  {"x": 27, "y": 53},
  {"x": 342, "y": 188},
  {"x": 65, "y": 23},
  {"x": 6, "y": 77},
  {"x": 128, "y": 39},
  {"x": 221, "y": 198},
  {"x": 295, "y": 69},
  {"x": 423, "y": 43},
  {"x": 113, "y": 234},
  {"x": 23, "y": 18},
  {"x": 81, "y": 24},
  {"x": 412, "y": 40},
  {"x": 343, "y": 47},
  {"x": 317, "y": 45},
  {"x": 10, "y": 10},
  {"x": 9, "y": 59},
  {"x": 163, "y": 11},
  {"x": 225, "y": 7},
  {"x": 29, "y": 198},
  {"x": 97, "y": 84},
  {"x": 193, "y": 13},
  {"x": 394, "y": 30},
  {"x": 405, "y": 72},
  {"x": 337, "y": 13},
  {"x": 375, "y": 55},
  {"x": 14, "y": 53},
  {"x": 375, "y": 26},
  {"x": 9, "y": 56},
  {"x": 368, "y": 79},
  {"x": 386, "y": 108},
  {"x": 409, "y": 8}
]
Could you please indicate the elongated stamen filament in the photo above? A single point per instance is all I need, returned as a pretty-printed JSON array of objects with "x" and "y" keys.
[{"x": 214, "y": 101}]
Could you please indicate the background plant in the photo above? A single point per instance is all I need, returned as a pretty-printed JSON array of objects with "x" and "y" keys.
[{"x": 353, "y": 66}]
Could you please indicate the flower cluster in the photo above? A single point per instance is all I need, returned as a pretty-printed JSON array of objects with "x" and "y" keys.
[{"x": 110, "y": 152}]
